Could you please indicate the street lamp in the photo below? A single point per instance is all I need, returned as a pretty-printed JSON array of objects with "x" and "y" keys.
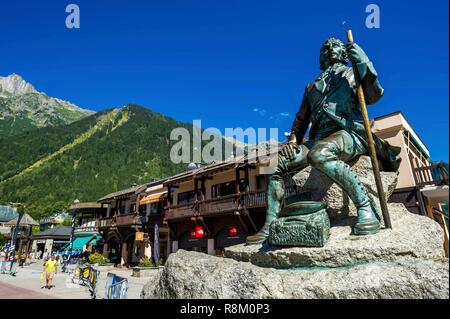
[{"x": 76, "y": 201}]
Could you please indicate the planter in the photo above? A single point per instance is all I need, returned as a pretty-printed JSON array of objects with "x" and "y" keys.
[
  {"x": 145, "y": 271},
  {"x": 106, "y": 267}
]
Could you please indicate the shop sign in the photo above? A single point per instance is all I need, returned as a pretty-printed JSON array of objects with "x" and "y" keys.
[
  {"x": 139, "y": 236},
  {"x": 232, "y": 231},
  {"x": 199, "y": 232}
]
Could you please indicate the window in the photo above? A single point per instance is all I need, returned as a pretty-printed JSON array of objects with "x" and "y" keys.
[
  {"x": 186, "y": 198},
  {"x": 228, "y": 188},
  {"x": 261, "y": 183},
  {"x": 156, "y": 208}
]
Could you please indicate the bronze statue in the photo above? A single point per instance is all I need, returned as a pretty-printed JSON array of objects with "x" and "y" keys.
[{"x": 336, "y": 134}]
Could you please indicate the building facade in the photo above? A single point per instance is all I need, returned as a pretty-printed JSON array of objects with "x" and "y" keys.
[
  {"x": 121, "y": 224},
  {"x": 423, "y": 186},
  {"x": 50, "y": 241},
  {"x": 86, "y": 234},
  {"x": 151, "y": 203},
  {"x": 216, "y": 206}
]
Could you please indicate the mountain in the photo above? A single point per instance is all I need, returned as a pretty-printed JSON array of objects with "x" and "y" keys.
[
  {"x": 48, "y": 168},
  {"x": 22, "y": 107}
]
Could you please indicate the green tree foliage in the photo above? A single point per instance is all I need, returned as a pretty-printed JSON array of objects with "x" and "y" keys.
[
  {"x": 66, "y": 222},
  {"x": 133, "y": 147}
]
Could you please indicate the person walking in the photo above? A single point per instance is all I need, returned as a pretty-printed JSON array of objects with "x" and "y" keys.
[{"x": 50, "y": 269}]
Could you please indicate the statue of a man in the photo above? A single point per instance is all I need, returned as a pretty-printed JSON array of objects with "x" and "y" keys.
[{"x": 336, "y": 134}]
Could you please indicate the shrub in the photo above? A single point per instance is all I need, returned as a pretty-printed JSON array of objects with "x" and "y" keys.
[
  {"x": 146, "y": 262},
  {"x": 98, "y": 258}
]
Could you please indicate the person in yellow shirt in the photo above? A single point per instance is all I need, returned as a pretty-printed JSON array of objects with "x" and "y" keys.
[{"x": 50, "y": 269}]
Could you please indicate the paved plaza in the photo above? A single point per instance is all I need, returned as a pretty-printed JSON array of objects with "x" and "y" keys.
[{"x": 27, "y": 285}]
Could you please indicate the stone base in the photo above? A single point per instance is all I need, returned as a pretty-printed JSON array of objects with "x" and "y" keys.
[
  {"x": 404, "y": 262},
  {"x": 412, "y": 237},
  {"x": 311, "y": 230},
  {"x": 200, "y": 276},
  {"x": 145, "y": 271},
  {"x": 105, "y": 268}
]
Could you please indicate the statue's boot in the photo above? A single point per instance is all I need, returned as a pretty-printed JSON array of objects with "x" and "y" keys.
[
  {"x": 368, "y": 220},
  {"x": 275, "y": 194}
]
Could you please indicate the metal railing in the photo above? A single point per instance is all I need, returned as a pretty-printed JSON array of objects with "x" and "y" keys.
[{"x": 116, "y": 287}]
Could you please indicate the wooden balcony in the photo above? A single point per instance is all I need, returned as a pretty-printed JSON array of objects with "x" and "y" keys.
[
  {"x": 220, "y": 205},
  {"x": 128, "y": 219},
  {"x": 254, "y": 199},
  {"x": 105, "y": 222},
  {"x": 180, "y": 211},
  {"x": 435, "y": 174},
  {"x": 223, "y": 204},
  {"x": 120, "y": 220}
]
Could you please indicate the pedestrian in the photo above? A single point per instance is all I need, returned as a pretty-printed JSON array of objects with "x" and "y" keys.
[
  {"x": 50, "y": 269},
  {"x": 22, "y": 259}
]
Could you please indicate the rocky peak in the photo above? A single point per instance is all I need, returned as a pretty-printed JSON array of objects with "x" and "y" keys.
[{"x": 15, "y": 85}]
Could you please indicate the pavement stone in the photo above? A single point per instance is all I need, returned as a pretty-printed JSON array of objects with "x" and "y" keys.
[
  {"x": 27, "y": 283},
  {"x": 8, "y": 291}
]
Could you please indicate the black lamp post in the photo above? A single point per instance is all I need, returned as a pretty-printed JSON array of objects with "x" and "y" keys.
[{"x": 76, "y": 201}]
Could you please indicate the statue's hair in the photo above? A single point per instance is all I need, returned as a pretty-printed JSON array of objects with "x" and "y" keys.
[{"x": 323, "y": 59}]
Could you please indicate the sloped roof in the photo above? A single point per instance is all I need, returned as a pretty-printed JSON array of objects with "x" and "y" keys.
[
  {"x": 7, "y": 213},
  {"x": 60, "y": 232},
  {"x": 218, "y": 166},
  {"x": 128, "y": 191},
  {"x": 26, "y": 220}
]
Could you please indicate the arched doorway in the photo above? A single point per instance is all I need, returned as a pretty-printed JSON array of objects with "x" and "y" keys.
[
  {"x": 189, "y": 242},
  {"x": 230, "y": 235},
  {"x": 134, "y": 250},
  {"x": 114, "y": 250}
]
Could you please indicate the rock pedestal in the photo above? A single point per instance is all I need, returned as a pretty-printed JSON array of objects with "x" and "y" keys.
[{"x": 407, "y": 261}]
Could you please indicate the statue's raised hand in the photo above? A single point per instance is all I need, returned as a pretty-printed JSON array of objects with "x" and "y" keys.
[
  {"x": 355, "y": 53},
  {"x": 288, "y": 150}
]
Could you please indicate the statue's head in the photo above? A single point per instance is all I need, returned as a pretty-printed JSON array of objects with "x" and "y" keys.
[{"x": 332, "y": 51}]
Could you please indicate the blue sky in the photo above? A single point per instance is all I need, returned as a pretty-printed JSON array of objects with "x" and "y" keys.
[{"x": 229, "y": 63}]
